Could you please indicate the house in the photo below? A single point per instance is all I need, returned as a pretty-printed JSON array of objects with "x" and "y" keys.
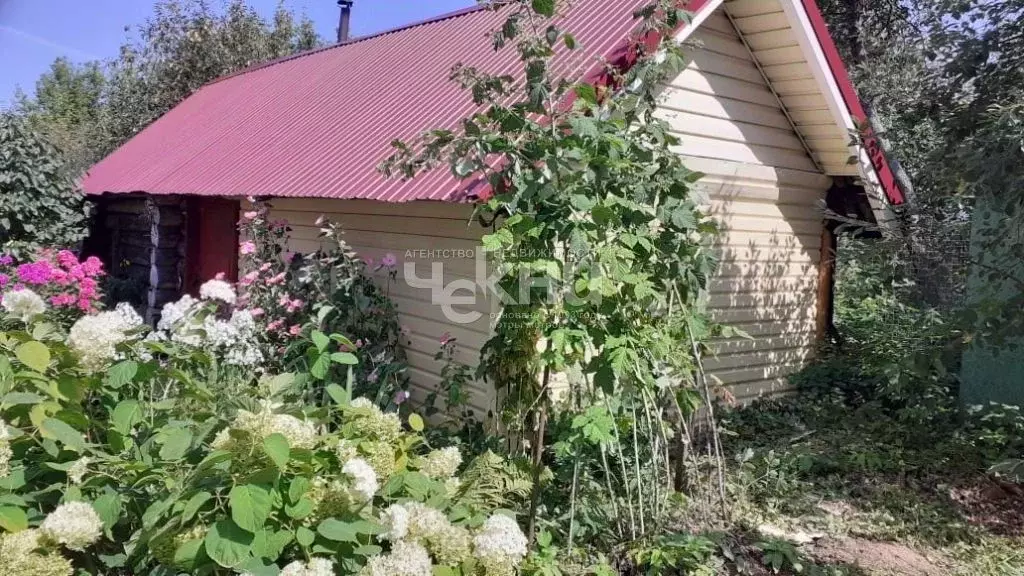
[{"x": 765, "y": 109}]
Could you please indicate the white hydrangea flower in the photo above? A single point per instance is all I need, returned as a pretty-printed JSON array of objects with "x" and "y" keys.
[
  {"x": 315, "y": 567},
  {"x": 96, "y": 337},
  {"x": 18, "y": 555},
  {"x": 175, "y": 312},
  {"x": 5, "y": 450},
  {"x": 222, "y": 441},
  {"x": 441, "y": 464},
  {"x": 364, "y": 478},
  {"x": 395, "y": 519},
  {"x": 452, "y": 486},
  {"x": 299, "y": 433},
  {"x": 500, "y": 545},
  {"x": 345, "y": 451},
  {"x": 218, "y": 290},
  {"x": 361, "y": 403},
  {"x": 78, "y": 470},
  {"x": 23, "y": 303},
  {"x": 405, "y": 559},
  {"x": 73, "y": 524}
]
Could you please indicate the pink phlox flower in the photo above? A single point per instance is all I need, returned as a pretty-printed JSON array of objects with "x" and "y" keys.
[
  {"x": 401, "y": 396},
  {"x": 266, "y": 266},
  {"x": 389, "y": 260},
  {"x": 284, "y": 300},
  {"x": 92, "y": 266},
  {"x": 60, "y": 277},
  {"x": 289, "y": 256},
  {"x": 4, "y": 279},
  {"x": 278, "y": 279},
  {"x": 372, "y": 377},
  {"x": 446, "y": 338},
  {"x": 61, "y": 300},
  {"x": 295, "y": 330},
  {"x": 67, "y": 259},
  {"x": 256, "y": 312},
  {"x": 249, "y": 278},
  {"x": 35, "y": 272},
  {"x": 247, "y": 247},
  {"x": 84, "y": 304},
  {"x": 220, "y": 276},
  {"x": 281, "y": 223},
  {"x": 6, "y": 260},
  {"x": 295, "y": 305},
  {"x": 275, "y": 325},
  {"x": 250, "y": 215},
  {"x": 359, "y": 343}
]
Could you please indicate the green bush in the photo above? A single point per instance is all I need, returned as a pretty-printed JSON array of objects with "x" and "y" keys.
[
  {"x": 127, "y": 453},
  {"x": 41, "y": 206}
]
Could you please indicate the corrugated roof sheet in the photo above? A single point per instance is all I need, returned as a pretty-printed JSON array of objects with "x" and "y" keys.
[{"x": 319, "y": 123}]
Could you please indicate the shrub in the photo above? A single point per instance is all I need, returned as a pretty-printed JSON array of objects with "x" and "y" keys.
[
  {"x": 338, "y": 296},
  {"x": 41, "y": 206},
  {"x": 135, "y": 453}
]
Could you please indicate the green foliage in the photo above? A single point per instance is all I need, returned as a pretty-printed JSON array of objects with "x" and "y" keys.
[
  {"x": 185, "y": 467},
  {"x": 602, "y": 257},
  {"x": 675, "y": 554},
  {"x": 41, "y": 206}
]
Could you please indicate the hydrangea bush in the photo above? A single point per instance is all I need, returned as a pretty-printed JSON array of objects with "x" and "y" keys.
[{"x": 124, "y": 451}]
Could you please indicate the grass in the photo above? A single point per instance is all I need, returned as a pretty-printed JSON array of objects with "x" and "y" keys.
[{"x": 903, "y": 484}]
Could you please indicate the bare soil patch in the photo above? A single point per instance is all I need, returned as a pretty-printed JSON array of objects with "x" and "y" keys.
[{"x": 888, "y": 558}]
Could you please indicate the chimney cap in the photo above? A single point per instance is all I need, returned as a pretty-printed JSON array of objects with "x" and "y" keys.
[{"x": 345, "y": 3}]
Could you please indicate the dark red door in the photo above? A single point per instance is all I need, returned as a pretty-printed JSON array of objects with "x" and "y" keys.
[{"x": 212, "y": 241}]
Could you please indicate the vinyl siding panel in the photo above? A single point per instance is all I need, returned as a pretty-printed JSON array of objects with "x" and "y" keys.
[
  {"x": 762, "y": 187},
  {"x": 375, "y": 229}
]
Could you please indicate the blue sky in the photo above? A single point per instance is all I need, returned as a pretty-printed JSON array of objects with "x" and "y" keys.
[{"x": 35, "y": 32}]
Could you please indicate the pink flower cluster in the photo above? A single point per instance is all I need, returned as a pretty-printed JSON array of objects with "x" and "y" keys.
[{"x": 67, "y": 281}]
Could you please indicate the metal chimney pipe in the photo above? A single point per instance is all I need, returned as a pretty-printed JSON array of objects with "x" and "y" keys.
[{"x": 343, "y": 18}]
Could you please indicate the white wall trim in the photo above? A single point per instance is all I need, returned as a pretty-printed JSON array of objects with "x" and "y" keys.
[{"x": 698, "y": 19}]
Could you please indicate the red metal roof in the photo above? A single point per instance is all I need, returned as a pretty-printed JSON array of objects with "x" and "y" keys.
[{"x": 318, "y": 124}]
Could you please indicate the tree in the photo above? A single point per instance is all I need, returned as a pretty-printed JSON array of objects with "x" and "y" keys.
[
  {"x": 66, "y": 109},
  {"x": 40, "y": 207}
]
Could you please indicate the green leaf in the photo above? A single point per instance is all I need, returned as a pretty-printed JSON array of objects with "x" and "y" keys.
[
  {"x": 122, "y": 373},
  {"x": 14, "y": 398},
  {"x": 569, "y": 40},
  {"x": 126, "y": 415},
  {"x": 194, "y": 504},
  {"x": 256, "y": 567},
  {"x": 228, "y": 544},
  {"x": 189, "y": 555},
  {"x": 304, "y": 536},
  {"x": 13, "y": 519},
  {"x": 108, "y": 506},
  {"x": 33, "y": 354},
  {"x": 338, "y": 531},
  {"x": 176, "y": 443},
  {"x": 544, "y": 7},
  {"x": 250, "y": 506},
  {"x": 320, "y": 366},
  {"x": 276, "y": 446},
  {"x": 338, "y": 394},
  {"x": 586, "y": 92},
  {"x": 300, "y": 510},
  {"x": 416, "y": 422},
  {"x": 346, "y": 358},
  {"x": 60, "y": 431},
  {"x": 298, "y": 488},
  {"x": 320, "y": 340}
]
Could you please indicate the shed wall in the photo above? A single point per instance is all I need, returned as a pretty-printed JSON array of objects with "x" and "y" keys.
[
  {"x": 765, "y": 190},
  {"x": 410, "y": 231}
]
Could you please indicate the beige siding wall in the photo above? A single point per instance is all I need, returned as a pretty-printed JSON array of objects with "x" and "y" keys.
[
  {"x": 764, "y": 188},
  {"x": 375, "y": 229}
]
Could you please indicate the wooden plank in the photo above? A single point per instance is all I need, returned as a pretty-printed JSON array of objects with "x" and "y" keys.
[
  {"x": 767, "y": 210},
  {"x": 754, "y": 192},
  {"x": 804, "y": 117},
  {"x": 780, "y": 56},
  {"x": 804, "y": 102},
  {"x": 427, "y": 227},
  {"x": 748, "y": 392},
  {"x": 740, "y": 345},
  {"x": 744, "y": 271},
  {"x": 745, "y": 153},
  {"x": 686, "y": 123},
  {"x": 781, "y": 72},
  {"x": 748, "y": 8},
  {"x": 736, "y": 286},
  {"x": 808, "y": 241},
  {"x": 681, "y": 100},
  {"x": 724, "y": 44},
  {"x": 760, "y": 359},
  {"x": 765, "y": 23},
  {"x": 755, "y": 374},
  {"x": 771, "y": 39},
  {"x": 723, "y": 86},
  {"x": 719, "y": 23},
  {"x": 709, "y": 62},
  {"x": 742, "y": 173},
  {"x": 762, "y": 300},
  {"x": 797, "y": 87}
]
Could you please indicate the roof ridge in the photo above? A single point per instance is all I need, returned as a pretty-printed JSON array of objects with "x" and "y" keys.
[{"x": 297, "y": 55}]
